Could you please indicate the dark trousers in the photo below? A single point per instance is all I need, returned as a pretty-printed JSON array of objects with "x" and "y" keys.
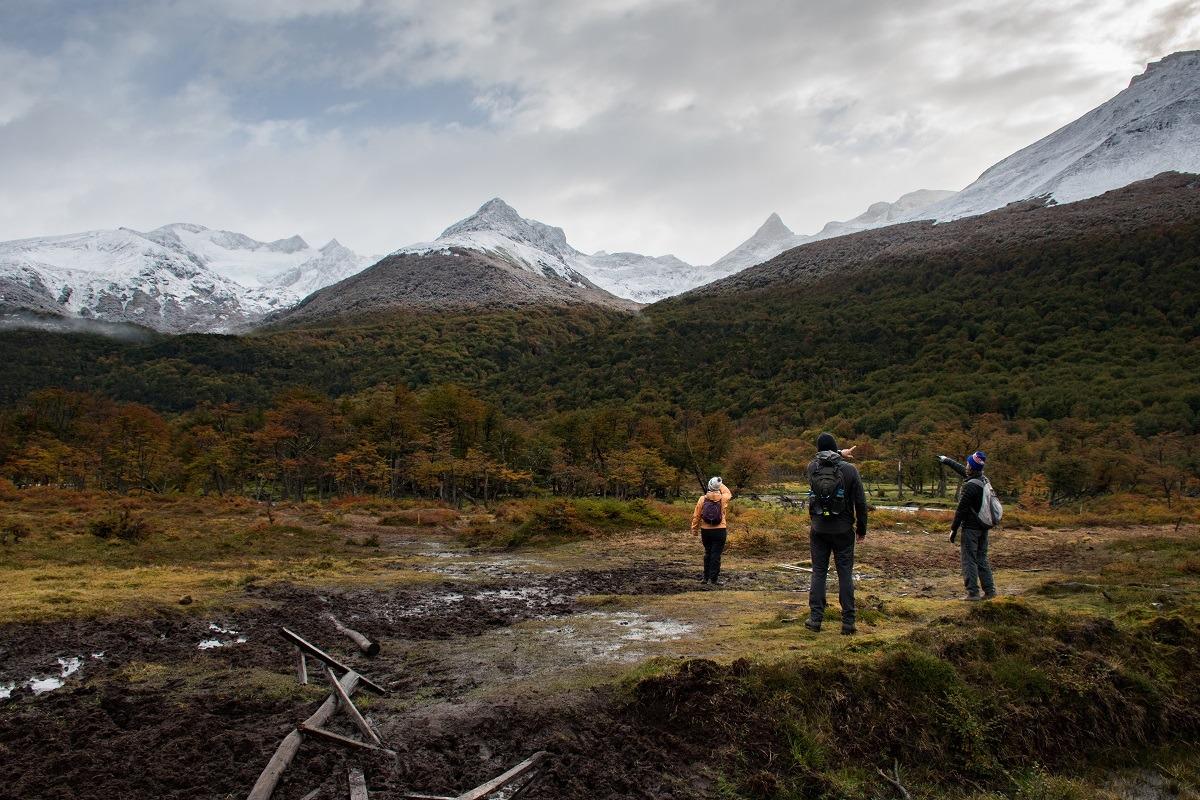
[
  {"x": 714, "y": 544},
  {"x": 841, "y": 545},
  {"x": 975, "y": 566}
]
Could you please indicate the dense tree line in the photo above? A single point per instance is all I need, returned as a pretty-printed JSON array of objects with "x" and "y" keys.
[{"x": 447, "y": 442}]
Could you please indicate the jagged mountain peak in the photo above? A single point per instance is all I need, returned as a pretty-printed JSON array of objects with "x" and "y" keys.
[
  {"x": 292, "y": 244},
  {"x": 773, "y": 228},
  {"x": 495, "y": 214},
  {"x": 1182, "y": 61}
]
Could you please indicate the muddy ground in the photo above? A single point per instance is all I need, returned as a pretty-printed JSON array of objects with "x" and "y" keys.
[{"x": 487, "y": 659}]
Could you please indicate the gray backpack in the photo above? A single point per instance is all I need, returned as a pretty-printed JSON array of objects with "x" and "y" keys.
[{"x": 990, "y": 509}]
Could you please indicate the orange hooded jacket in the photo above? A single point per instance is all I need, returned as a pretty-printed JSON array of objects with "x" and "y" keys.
[{"x": 723, "y": 495}]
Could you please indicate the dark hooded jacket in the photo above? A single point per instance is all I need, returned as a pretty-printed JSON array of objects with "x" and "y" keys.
[{"x": 854, "y": 518}]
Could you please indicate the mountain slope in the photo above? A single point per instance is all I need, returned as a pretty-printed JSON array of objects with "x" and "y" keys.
[
  {"x": 1150, "y": 127},
  {"x": 120, "y": 276},
  {"x": 332, "y": 263},
  {"x": 499, "y": 232},
  {"x": 773, "y": 237},
  {"x": 444, "y": 279},
  {"x": 1088, "y": 311},
  {"x": 174, "y": 279}
]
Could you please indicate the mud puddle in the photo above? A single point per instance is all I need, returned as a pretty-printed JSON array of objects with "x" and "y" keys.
[{"x": 621, "y": 636}]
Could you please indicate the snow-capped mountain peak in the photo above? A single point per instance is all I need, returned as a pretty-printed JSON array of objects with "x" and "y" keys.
[
  {"x": 497, "y": 229},
  {"x": 1151, "y": 126},
  {"x": 180, "y": 277},
  {"x": 773, "y": 228}
]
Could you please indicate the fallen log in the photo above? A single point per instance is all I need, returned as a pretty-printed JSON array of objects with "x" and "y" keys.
[
  {"x": 368, "y": 646},
  {"x": 286, "y": 751},
  {"x": 321, "y": 655},
  {"x": 358, "y": 784}
]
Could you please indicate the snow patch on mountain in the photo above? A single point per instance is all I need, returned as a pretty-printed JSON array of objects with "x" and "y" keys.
[
  {"x": 120, "y": 276},
  {"x": 1152, "y": 126},
  {"x": 178, "y": 278},
  {"x": 773, "y": 237},
  {"x": 498, "y": 230},
  {"x": 332, "y": 263}
]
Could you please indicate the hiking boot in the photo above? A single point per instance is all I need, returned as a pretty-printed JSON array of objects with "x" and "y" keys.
[
  {"x": 973, "y": 598},
  {"x": 989, "y": 595},
  {"x": 849, "y": 630},
  {"x": 813, "y": 624}
]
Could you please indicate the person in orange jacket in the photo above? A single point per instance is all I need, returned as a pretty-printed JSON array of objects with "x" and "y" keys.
[{"x": 709, "y": 520}]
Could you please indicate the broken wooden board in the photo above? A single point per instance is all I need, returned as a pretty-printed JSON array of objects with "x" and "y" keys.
[
  {"x": 321, "y": 655},
  {"x": 347, "y": 705},
  {"x": 286, "y": 751},
  {"x": 344, "y": 741},
  {"x": 358, "y": 784},
  {"x": 495, "y": 784}
]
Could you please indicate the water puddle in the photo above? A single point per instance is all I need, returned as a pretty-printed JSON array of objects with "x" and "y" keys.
[
  {"x": 426, "y": 606},
  {"x": 231, "y": 637},
  {"x": 908, "y": 509},
  {"x": 617, "y": 636},
  {"x": 42, "y": 684},
  {"x": 504, "y": 567}
]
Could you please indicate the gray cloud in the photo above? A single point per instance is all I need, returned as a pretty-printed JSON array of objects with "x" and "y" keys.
[{"x": 651, "y": 125}]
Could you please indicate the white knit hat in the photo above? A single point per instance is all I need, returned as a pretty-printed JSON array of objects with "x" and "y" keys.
[{"x": 713, "y": 484}]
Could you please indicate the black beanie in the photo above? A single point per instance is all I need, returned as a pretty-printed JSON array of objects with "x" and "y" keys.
[{"x": 826, "y": 442}]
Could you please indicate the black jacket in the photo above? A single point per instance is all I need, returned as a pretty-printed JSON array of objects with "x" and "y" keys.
[
  {"x": 969, "y": 505},
  {"x": 854, "y": 518}
]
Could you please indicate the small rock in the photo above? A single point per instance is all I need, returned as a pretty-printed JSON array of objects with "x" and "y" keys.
[{"x": 186, "y": 600}]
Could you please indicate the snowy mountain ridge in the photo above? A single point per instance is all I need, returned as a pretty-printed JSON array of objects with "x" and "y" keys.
[
  {"x": 177, "y": 278},
  {"x": 497, "y": 229},
  {"x": 774, "y": 237},
  {"x": 1150, "y": 127}
]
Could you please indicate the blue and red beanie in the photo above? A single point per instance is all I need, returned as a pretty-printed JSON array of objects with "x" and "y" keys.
[{"x": 976, "y": 461}]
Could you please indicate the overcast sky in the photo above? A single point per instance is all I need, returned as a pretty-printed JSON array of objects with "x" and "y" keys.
[{"x": 648, "y": 125}]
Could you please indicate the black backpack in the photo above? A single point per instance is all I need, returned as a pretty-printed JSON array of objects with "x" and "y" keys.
[
  {"x": 710, "y": 512},
  {"x": 827, "y": 488}
]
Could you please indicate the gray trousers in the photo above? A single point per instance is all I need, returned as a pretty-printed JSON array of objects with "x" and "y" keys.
[
  {"x": 841, "y": 545},
  {"x": 975, "y": 566}
]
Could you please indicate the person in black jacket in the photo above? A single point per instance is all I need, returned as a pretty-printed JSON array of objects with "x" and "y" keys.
[
  {"x": 835, "y": 525},
  {"x": 974, "y": 545}
]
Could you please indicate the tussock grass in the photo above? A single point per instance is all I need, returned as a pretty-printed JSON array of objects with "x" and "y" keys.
[{"x": 972, "y": 701}]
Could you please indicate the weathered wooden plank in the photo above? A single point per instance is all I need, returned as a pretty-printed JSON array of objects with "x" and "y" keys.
[
  {"x": 348, "y": 706},
  {"x": 286, "y": 751},
  {"x": 358, "y": 784},
  {"x": 301, "y": 667},
  {"x": 321, "y": 655},
  {"x": 499, "y": 782},
  {"x": 344, "y": 741}
]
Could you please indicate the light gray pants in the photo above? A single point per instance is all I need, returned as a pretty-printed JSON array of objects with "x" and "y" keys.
[{"x": 975, "y": 566}]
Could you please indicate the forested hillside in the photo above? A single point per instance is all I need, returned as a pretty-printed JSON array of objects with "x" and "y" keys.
[{"x": 1065, "y": 338}]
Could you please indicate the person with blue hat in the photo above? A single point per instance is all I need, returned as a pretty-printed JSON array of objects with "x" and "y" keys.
[{"x": 975, "y": 520}]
